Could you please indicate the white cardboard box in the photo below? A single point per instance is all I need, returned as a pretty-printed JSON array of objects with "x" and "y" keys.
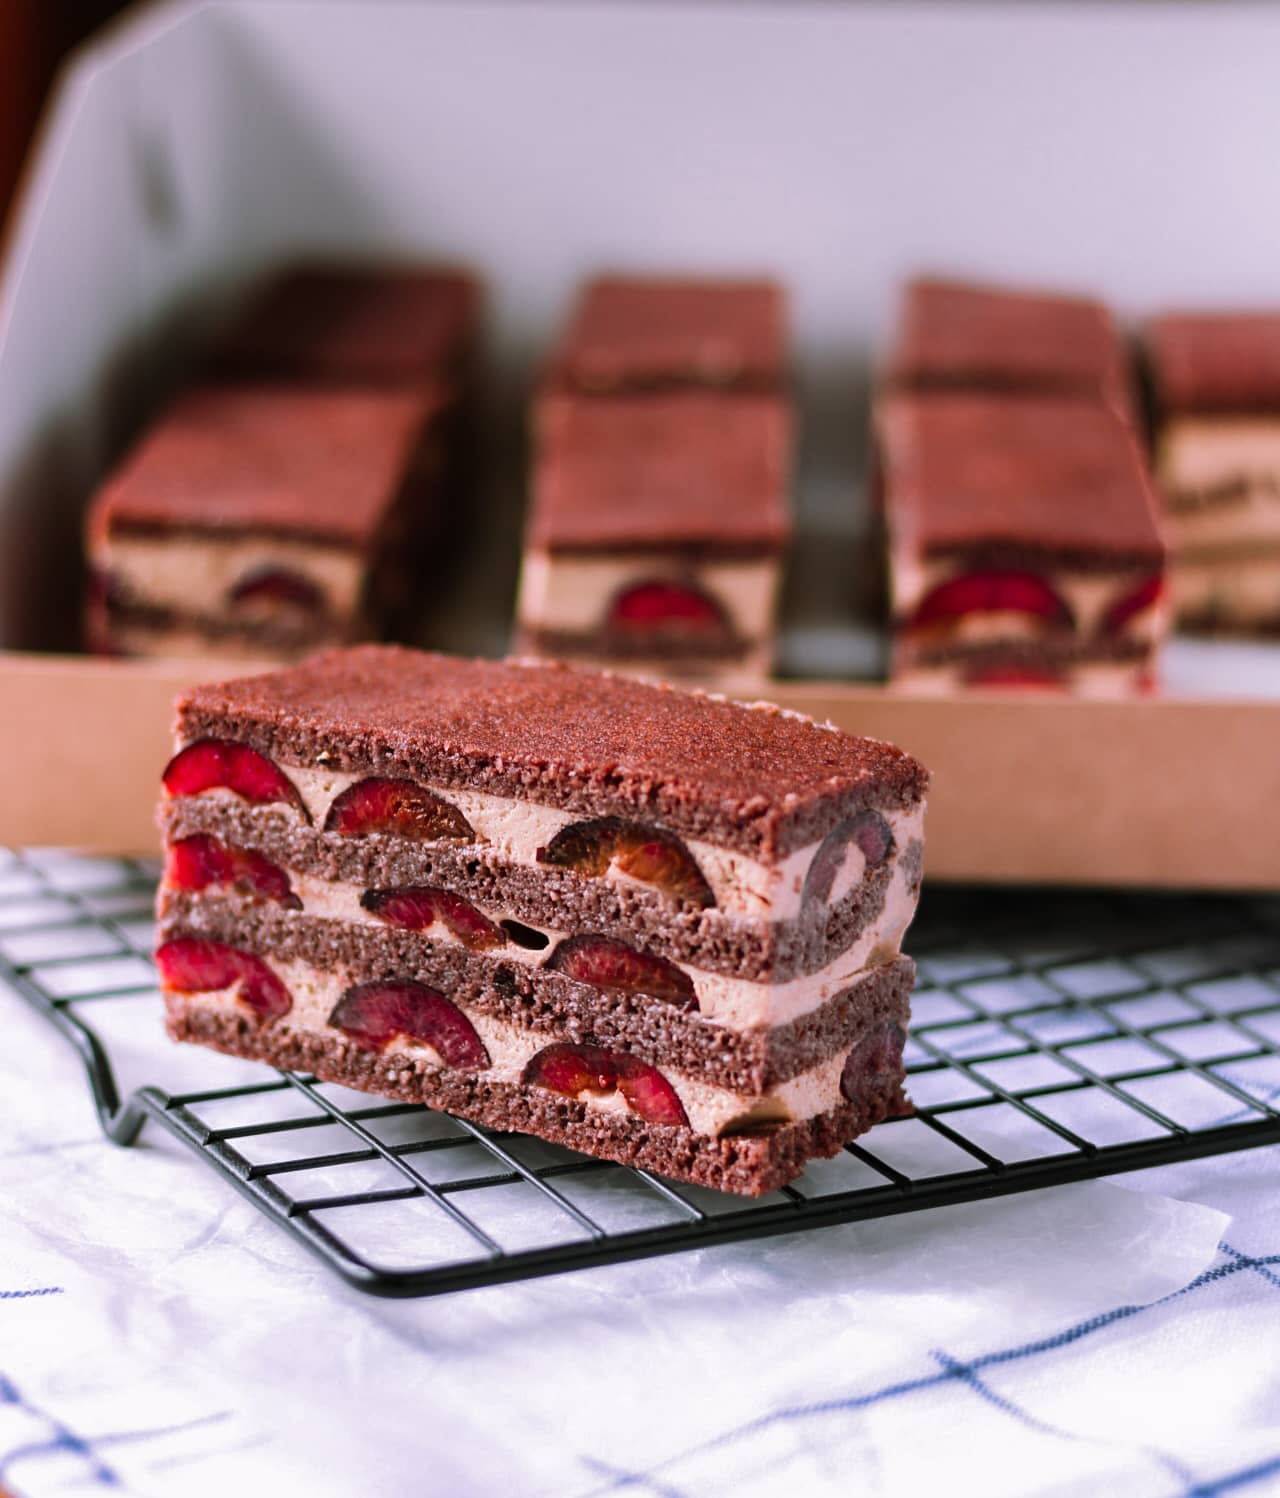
[{"x": 1129, "y": 148}]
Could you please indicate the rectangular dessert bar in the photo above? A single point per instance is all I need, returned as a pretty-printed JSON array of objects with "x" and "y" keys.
[
  {"x": 959, "y": 335},
  {"x": 659, "y": 927},
  {"x": 656, "y": 532},
  {"x": 1216, "y": 380},
  {"x": 259, "y": 522},
  {"x": 633, "y": 333},
  {"x": 1024, "y": 544},
  {"x": 349, "y": 324}
]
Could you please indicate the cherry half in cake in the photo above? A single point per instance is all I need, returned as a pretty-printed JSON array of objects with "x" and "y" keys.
[
  {"x": 576, "y": 1069},
  {"x": 646, "y": 854}
]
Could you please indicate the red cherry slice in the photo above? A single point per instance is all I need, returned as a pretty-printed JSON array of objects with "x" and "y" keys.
[
  {"x": 868, "y": 831},
  {"x": 270, "y": 588},
  {"x": 574, "y": 1069},
  {"x": 606, "y": 963},
  {"x": 645, "y": 853},
  {"x": 876, "y": 1056},
  {"x": 373, "y": 1014},
  {"x": 665, "y": 605},
  {"x": 992, "y": 592},
  {"x": 416, "y": 907},
  {"x": 219, "y": 764},
  {"x": 1129, "y": 605},
  {"x": 194, "y": 863},
  {"x": 194, "y": 965},
  {"x": 396, "y": 806}
]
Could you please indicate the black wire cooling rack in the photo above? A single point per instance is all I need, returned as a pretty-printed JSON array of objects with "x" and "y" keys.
[{"x": 1056, "y": 1036}]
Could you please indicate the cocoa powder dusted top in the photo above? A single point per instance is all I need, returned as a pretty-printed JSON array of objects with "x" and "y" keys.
[
  {"x": 322, "y": 465},
  {"x": 1216, "y": 361},
  {"x": 633, "y": 332},
  {"x": 354, "y": 324},
  {"x": 1053, "y": 476},
  {"x": 754, "y": 778},
  {"x": 957, "y": 335},
  {"x": 694, "y": 469}
]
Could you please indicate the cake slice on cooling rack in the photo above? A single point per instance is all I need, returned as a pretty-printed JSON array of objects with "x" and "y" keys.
[{"x": 659, "y": 927}]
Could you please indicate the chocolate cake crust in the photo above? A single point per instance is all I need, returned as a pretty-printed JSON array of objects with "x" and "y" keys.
[
  {"x": 757, "y": 778},
  {"x": 632, "y": 332},
  {"x": 961, "y": 335},
  {"x": 316, "y": 465},
  {"x": 1216, "y": 361},
  {"x": 748, "y": 1164},
  {"x": 694, "y": 468},
  {"x": 1059, "y": 476}
]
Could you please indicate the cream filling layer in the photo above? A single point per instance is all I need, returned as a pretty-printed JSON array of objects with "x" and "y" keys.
[
  {"x": 1097, "y": 680},
  {"x": 709, "y": 1109},
  {"x": 196, "y": 576},
  {"x": 1087, "y": 595},
  {"x": 571, "y": 592},
  {"x": 736, "y": 1003},
  {"x": 1235, "y": 590},
  {"x": 517, "y": 829}
]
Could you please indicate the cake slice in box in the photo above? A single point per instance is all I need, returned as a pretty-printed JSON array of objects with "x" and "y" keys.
[
  {"x": 658, "y": 927},
  {"x": 1024, "y": 544},
  {"x": 1216, "y": 378},
  {"x": 634, "y": 333},
  {"x": 959, "y": 335},
  {"x": 261, "y": 522},
  {"x": 350, "y": 324},
  {"x": 657, "y": 529}
]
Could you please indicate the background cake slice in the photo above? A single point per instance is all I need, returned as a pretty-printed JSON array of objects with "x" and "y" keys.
[
  {"x": 656, "y": 534},
  {"x": 1024, "y": 544},
  {"x": 655, "y": 926},
  {"x": 1216, "y": 379},
  {"x": 261, "y": 522}
]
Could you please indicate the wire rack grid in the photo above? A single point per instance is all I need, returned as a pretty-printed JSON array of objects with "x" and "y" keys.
[{"x": 1056, "y": 1037}]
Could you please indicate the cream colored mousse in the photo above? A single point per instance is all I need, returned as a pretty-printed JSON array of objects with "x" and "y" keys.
[
  {"x": 710, "y": 1109},
  {"x": 195, "y": 575},
  {"x": 571, "y": 592}
]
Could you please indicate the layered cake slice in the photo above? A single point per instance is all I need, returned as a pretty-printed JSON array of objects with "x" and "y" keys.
[
  {"x": 260, "y": 521},
  {"x": 1216, "y": 379},
  {"x": 1024, "y": 544},
  {"x": 659, "y": 927},
  {"x": 634, "y": 333},
  {"x": 345, "y": 324},
  {"x": 959, "y": 335},
  {"x": 656, "y": 532}
]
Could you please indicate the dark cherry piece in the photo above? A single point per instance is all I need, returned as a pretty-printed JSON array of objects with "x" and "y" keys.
[
  {"x": 640, "y": 851},
  {"x": 992, "y": 592},
  {"x": 373, "y": 1014},
  {"x": 416, "y": 907},
  {"x": 1129, "y": 605},
  {"x": 867, "y": 831},
  {"x": 195, "y": 965},
  {"x": 664, "y": 607},
  {"x": 219, "y": 764},
  {"x": 574, "y": 1069},
  {"x": 876, "y": 1056},
  {"x": 194, "y": 863},
  {"x": 397, "y": 806},
  {"x": 605, "y": 962}
]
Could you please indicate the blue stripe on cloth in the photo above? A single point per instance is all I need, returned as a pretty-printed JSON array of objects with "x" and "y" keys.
[
  {"x": 27, "y": 1294},
  {"x": 1239, "y": 1263},
  {"x": 1271, "y": 1279},
  {"x": 1234, "y": 1480}
]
